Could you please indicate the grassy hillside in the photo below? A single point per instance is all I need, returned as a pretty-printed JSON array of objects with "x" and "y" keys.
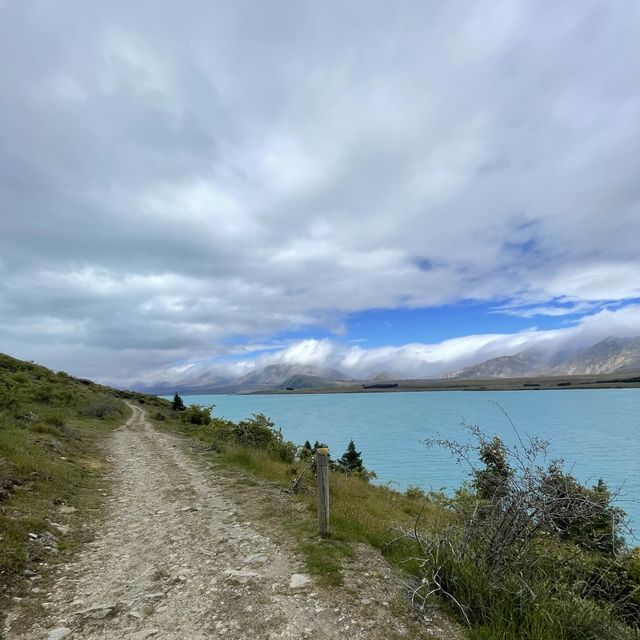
[{"x": 51, "y": 427}]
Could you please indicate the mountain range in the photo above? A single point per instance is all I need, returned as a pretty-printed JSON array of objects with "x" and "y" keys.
[
  {"x": 611, "y": 355},
  {"x": 271, "y": 377}
]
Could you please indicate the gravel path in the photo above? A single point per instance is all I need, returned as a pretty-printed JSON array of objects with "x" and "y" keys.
[{"x": 175, "y": 558}]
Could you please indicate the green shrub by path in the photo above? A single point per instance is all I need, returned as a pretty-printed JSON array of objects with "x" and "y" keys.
[
  {"x": 195, "y": 414},
  {"x": 258, "y": 432}
]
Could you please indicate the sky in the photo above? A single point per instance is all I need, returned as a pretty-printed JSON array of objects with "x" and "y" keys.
[{"x": 409, "y": 187}]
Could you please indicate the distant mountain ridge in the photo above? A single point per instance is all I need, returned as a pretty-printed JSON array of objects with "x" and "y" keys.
[
  {"x": 611, "y": 355},
  {"x": 273, "y": 376}
]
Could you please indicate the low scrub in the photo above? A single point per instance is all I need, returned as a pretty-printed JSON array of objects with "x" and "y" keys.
[
  {"x": 102, "y": 406},
  {"x": 530, "y": 553},
  {"x": 257, "y": 432}
]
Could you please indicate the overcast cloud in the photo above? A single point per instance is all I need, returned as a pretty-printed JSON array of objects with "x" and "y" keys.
[{"x": 173, "y": 175}]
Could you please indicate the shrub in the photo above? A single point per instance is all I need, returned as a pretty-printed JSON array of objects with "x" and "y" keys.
[
  {"x": 43, "y": 393},
  {"x": 102, "y": 406},
  {"x": 257, "y": 432},
  {"x": 532, "y": 553},
  {"x": 260, "y": 432},
  {"x": 197, "y": 414},
  {"x": 415, "y": 493}
]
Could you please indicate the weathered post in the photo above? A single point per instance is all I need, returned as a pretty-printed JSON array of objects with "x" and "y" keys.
[{"x": 322, "y": 469}]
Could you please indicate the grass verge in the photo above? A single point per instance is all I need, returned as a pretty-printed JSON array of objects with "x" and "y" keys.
[{"x": 52, "y": 467}]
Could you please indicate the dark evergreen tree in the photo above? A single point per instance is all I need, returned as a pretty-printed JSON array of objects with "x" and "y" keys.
[
  {"x": 351, "y": 459},
  {"x": 177, "y": 404}
]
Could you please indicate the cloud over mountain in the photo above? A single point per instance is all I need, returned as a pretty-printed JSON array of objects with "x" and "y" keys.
[{"x": 179, "y": 179}]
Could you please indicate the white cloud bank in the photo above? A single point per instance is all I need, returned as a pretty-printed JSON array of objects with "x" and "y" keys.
[{"x": 411, "y": 360}]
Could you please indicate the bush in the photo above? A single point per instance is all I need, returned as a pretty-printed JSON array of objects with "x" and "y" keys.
[
  {"x": 197, "y": 414},
  {"x": 101, "y": 407},
  {"x": 532, "y": 553},
  {"x": 43, "y": 394},
  {"x": 257, "y": 432},
  {"x": 415, "y": 493}
]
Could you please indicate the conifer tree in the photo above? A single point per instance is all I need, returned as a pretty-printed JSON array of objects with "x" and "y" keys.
[
  {"x": 177, "y": 404},
  {"x": 351, "y": 459}
]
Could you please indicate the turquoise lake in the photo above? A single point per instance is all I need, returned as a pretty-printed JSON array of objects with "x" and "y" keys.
[{"x": 596, "y": 432}]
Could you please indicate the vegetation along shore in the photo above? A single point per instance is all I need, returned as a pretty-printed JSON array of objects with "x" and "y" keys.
[{"x": 523, "y": 550}]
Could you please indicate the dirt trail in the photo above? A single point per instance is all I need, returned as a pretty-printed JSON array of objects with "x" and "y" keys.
[{"x": 175, "y": 558}]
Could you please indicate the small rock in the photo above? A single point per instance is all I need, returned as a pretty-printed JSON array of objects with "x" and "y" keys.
[
  {"x": 299, "y": 580},
  {"x": 29, "y": 573},
  {"x": 58, "y": 633},
  {"x": 154, "y": 596},
  {"x": 241, "y": 573},
  {"x": 16, "y": 599},
  {"x": 144, "y": 634},
  {"x": 256, "y": 557},
  {"x": 33, "y": 536},
  {"x": 99, "y": 611},
  {"x": 192, "y": 508},
  {"x": 49, "y": 537},
  {"x": 63, "y": 529}
]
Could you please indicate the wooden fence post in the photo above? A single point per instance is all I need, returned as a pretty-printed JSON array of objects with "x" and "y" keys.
[{"x": 322, "y": 468}]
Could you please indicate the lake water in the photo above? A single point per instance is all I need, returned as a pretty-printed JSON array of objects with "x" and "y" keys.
[{"x": 597, "y": 432}]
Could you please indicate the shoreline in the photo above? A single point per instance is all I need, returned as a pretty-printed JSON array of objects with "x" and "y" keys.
[{"x": 540, "y": 383}]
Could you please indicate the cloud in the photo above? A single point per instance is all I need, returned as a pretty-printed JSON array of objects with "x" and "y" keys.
[
  {"x": 417, "y": 360},
  {"x": 172, "y": 177}
]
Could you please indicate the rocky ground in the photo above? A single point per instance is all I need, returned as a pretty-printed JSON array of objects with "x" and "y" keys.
[{"x": 177, "y": 557}]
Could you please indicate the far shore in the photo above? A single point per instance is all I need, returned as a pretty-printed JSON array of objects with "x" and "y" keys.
[{"x": 542, "y": 383}]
